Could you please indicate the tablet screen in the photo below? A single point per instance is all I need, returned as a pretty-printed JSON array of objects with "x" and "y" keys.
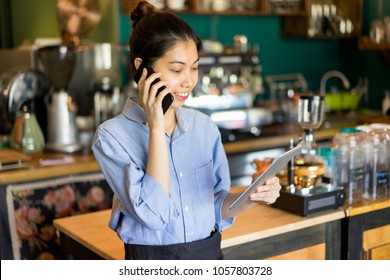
[{"x": 272, "y": 170}]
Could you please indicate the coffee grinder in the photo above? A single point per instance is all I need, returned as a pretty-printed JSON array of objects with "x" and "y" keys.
[
  {"x": 59, "y": 62},
  {"x": 305, "y": 192}
]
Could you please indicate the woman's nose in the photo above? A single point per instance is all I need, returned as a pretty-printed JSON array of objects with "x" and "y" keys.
[{"x": 189, "y": 80}]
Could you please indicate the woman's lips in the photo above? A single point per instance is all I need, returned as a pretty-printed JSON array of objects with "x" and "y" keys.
[{"x": 182, "y": 95}]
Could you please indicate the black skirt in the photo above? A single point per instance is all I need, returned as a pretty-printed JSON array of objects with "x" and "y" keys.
[{"x": 206, "y": 249}]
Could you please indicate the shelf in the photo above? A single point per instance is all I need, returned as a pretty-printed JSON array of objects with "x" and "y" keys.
[
  {"x": 366, "y": 44},
  {"x": 263, "y": 8},
  {"x": 225, "y": 13},
  {"x": 342, "y": 21},
  {"x": 295, "y": 18}
]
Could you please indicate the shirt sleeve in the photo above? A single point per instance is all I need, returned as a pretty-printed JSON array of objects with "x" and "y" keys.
[
  {"x": 139, "y": 194},
  {"x": 221, "y": 190}
]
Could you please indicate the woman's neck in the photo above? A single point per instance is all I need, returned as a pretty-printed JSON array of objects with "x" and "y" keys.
[{"x": 170, "y": 121}]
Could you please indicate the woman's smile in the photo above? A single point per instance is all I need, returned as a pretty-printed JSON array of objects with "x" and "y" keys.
[{"x": 182, "y": 96}]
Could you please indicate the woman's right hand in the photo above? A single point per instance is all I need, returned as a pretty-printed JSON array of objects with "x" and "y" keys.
[
  {"x": 148, "y": 100},
  {"x": 158, "y": 163}
]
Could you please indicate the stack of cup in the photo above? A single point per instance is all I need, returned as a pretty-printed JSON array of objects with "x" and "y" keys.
[
  {"x": 376, "y": 146},
  {"x": 348, "y": 163}
]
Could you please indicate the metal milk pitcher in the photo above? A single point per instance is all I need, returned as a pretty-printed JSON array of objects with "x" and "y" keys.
[{"x": 62, "y": 130}]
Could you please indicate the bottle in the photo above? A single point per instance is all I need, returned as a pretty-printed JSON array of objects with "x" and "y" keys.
[
  {"x": 377, "y": 31},
  {"x": 368, "y": 165},
  {"x": 290, "y": 168},
  {"x": 386, "y": 102},
  {"x": 379, "y": 188}
]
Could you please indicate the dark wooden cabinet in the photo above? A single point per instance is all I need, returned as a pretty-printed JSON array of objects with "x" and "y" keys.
[
  {"x": 366, "y": 232},
  {"x": 366, "y": 44},
  {"x": 318, "y": 242},
  {"x": 326, "y": 20}
]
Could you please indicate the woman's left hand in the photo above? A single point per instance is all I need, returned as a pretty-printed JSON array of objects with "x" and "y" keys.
[{"x": 268, "y": 192}]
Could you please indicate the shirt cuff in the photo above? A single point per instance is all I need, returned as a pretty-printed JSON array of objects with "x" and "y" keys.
[
  {"x": 153, "y": 195},
  {"x": 222, "y": 224}
]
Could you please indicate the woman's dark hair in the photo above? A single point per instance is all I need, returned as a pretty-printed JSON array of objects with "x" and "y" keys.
[{"x": 155, "y": 32}]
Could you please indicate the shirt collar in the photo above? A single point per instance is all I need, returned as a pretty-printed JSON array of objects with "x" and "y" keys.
[
  {"x": 182, "y": 117},
  {"x": 135, "y": 112}
]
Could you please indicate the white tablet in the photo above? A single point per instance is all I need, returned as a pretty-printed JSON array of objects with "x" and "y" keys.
[{"x": 272, "y": 170}]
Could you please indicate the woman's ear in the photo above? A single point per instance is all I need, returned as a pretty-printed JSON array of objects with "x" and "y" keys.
[{"x": 137, "y": 62}]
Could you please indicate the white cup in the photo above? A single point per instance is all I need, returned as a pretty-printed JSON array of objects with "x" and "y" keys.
[{"x": 176, "y": 4}]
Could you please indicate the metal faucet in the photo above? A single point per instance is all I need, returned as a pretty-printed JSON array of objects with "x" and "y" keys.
[{"x": 330, "y": 74}]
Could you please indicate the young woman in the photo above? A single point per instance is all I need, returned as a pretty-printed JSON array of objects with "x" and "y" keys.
[{"x": 169, "y": 172}]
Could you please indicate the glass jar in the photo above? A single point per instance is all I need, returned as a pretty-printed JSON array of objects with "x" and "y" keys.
[{"x": 348, "y": 163}]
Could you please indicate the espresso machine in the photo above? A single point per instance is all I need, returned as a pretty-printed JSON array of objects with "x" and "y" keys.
[
  {"x": 305, "y": 191},
  {"x": 59, "y": 62}
]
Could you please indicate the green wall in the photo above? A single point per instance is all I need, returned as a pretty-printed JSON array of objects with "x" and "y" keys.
[
  {"x": 33, "y": 19},
  {"x": 36, "y": 19}
]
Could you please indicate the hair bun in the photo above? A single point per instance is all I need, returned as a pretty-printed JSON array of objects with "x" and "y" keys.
[{"x": 141, "y": 10}]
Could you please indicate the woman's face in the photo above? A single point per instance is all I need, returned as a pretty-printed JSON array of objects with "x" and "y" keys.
[{"x": 179, "y": 67}]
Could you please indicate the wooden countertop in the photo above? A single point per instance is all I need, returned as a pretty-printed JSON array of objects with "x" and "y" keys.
[
  {"x": 367, "y": 206},
  {"x": 283, "y": 140},
  {"x": 35, "y": 171},
  {"x": 279, "y": 135}
]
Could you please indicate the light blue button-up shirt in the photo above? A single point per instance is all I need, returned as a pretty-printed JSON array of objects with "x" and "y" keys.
[{"x": 142, "y": 212}]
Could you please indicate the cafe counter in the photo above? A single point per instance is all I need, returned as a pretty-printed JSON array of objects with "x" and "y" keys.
[
  {"x": 259, "y": 233},
  {"x": 262, "y": 232},
  {"x": 32, "y": 196}
]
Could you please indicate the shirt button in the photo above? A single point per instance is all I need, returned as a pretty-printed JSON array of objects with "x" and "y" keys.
[
  {"x": 186, "y": 208},
  {"x": 181, "y": 174}
]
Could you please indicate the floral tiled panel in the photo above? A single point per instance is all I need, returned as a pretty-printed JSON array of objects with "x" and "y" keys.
[{"x": 33, "y": 206}]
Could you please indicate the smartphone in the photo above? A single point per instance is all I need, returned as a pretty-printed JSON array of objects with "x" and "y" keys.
[{"x": 168, "y": 99}]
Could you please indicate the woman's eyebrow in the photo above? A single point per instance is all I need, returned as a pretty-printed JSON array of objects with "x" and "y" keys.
[{"x": 181, "y": 62}]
